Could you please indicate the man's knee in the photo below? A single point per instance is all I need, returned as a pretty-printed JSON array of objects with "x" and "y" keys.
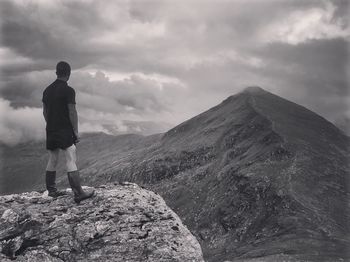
[
  {"x": 53, "y": 160},
  {"x": 71, "y": 158}
]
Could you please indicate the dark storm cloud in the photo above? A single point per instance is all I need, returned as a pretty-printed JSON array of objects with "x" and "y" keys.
[
  {"x": 170, "y": 60},
  {"x": 65, "y": 30},
  {"x": 47, "y": 33},
  {"x": 312, "y": 74},
  {"x": 26, "y": 88},
  {"x": 135, "y": 93},
  {"x": 321, "y": 62}
]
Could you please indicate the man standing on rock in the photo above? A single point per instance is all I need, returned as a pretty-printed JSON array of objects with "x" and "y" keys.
[{"x": 62, "y": 132}]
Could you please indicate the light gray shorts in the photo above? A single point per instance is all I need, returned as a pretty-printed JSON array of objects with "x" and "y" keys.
[{"x": 71, "y": 159}]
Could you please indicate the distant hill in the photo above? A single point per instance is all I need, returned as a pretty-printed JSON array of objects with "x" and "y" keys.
[
  {"x": 255, "y": 176},
  {"x": 145, "y": 128},
  {"x": 23, "y": 165}
]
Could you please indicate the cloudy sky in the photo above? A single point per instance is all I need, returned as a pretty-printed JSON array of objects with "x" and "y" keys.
[{"x": 166, "y": 61}]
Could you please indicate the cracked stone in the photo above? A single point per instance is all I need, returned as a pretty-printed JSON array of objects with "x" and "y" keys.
[{"x": 121, "y": 223}]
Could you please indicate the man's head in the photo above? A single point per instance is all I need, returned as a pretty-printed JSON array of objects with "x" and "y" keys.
[{"x": 63, "y": 70}]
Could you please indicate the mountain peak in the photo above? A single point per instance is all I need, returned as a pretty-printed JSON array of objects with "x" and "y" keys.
[
  {"x": 253, "y": 89},
  {"x": 121, "y": 223},
  {"x": 290, "y": 121},
  {"x": 242, "y": 95}
]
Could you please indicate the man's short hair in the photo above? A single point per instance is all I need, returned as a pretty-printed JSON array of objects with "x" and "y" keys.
[{"x": 62, "y": 69}]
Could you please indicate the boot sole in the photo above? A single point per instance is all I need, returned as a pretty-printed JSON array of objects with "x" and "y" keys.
[
  {"x": 58, "y": 195},
  {"x": 78, "y": 200}
]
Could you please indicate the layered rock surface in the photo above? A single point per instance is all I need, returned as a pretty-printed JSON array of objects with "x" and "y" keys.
[{"x": 121, "y": 223}]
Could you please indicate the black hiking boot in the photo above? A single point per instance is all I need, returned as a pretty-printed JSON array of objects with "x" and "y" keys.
[
  {"x": 51, "y": 185},
  {"x": 79, "y": 193}
]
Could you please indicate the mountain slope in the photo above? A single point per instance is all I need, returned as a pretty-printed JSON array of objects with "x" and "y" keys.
[{"x": 255, "y": 176}]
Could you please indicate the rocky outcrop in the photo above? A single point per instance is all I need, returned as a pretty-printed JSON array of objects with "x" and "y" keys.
[{"x": 121, "y": 223}]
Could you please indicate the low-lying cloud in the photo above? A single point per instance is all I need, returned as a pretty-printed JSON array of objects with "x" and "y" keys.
[{"x": 20, "y": 125}]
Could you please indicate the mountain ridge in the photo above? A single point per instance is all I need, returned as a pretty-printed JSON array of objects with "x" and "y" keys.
[{"x": 329, "y": 126}]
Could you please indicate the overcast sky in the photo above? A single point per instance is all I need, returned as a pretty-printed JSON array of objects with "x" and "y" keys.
[{"x": 166, "y": 61}]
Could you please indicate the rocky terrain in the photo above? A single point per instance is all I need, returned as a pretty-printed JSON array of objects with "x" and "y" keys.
[
  {"x": 121, "y": 223},
  {"x": 255, "y": 177}
]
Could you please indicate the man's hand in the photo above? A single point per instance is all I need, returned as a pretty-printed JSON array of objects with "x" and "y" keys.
[{"x": 76, "y": 137}]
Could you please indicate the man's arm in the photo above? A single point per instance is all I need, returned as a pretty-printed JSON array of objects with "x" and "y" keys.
[
  {"x": 45, "y": 112},
  {"x": 73, "y": 116}
]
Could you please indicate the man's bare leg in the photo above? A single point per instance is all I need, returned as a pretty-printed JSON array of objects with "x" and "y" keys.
[
  {"x": 74, "y": 177},
  {"x": 50, "y": 177}
]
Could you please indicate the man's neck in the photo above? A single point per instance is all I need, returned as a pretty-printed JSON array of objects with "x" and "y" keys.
[{"x": 62, "y": 79}]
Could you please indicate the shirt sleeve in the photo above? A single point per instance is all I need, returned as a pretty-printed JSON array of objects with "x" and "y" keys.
[
  {"x": 44, "y": 98},
  {"x": 70, "y": 96}
]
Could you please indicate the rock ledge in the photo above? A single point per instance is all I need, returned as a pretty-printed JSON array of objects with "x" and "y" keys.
[{"x": 121, "y": 223}]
